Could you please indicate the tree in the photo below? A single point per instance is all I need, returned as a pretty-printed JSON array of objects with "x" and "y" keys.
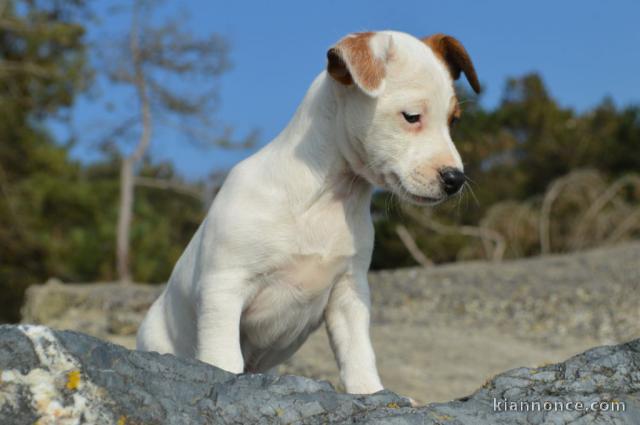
[
  {"x": 172, "y": 73},
  {"x": 42, "y": 69}
]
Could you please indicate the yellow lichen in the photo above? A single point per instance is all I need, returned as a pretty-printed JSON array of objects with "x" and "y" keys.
[
  {"x": 73, "y": 379},
  {"x": 122, "y": 420},
  {"x": 279, "y": 411},
  {"x": 393, "y": 405}
]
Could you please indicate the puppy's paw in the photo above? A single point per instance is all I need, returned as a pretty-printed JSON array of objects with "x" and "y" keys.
[{"x": 414, "y": 403}]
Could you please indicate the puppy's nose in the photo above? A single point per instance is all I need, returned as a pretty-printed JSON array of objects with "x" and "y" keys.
[{"x": 452, "y": 180}]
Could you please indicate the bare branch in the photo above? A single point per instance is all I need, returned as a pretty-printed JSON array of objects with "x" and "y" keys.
[
  {"x": 127, "y": 168},
  {"x": 169, "y": 185},
  {"x": 141, "y": 88},
  {"x": 411, "y": 245},
  {"x": 625, "y": 227},
  {"x": 119, "y": 131},
  {"x": 478, "y": 232},
  {"x": 603, "y": 199},
  {"x": 583, "y": 177}
]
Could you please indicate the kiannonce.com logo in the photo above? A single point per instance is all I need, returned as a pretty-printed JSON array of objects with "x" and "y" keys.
[{"x": 504, "y": 405}]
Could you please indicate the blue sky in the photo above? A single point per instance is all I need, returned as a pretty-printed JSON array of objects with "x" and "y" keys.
[{"x": 585, "y": 50}]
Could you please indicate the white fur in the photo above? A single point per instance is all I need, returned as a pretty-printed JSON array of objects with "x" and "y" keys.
[{"x": 287, "y": 242}]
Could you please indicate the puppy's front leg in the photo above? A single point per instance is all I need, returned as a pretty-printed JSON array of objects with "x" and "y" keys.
[
  {"x": 219, "y": 309},
  {"x": 347, "y": 319}
]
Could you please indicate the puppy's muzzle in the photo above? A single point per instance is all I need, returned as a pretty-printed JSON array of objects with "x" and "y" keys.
[{"x": 452, "y": 180}]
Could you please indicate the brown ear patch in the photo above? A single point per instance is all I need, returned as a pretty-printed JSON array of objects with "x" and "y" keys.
[
  {"x": 352, "y": 60},
  {"x": 455, "y": 57}
]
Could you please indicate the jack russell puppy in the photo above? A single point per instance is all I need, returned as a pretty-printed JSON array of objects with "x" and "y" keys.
[{"x": 287, "y": 242}]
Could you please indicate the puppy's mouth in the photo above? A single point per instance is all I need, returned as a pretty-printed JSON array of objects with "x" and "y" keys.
[{"x": 394, "y": 183}]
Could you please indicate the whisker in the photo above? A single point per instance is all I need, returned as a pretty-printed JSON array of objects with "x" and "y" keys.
[
  {"x": 469, "y": 179},
  {"x": 475, "y": 198},
  {"x": 387, "y": 206},
  {"x": 466, "y": 199}
]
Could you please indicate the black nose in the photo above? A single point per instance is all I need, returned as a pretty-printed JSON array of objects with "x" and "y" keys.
[{"x": 452, "y": 180}]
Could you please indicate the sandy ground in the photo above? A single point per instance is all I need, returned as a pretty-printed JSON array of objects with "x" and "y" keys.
[
  {"x": 430, "y": 364},
  {"x": 433, "y": 364}
]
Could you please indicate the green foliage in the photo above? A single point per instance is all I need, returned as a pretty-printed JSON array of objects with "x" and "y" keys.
[
  {"x": 42, "y": 59},
  {"x": 43, "y": 55},
  {"x": 60, "y": 221},
  {"x": 58, "y": 217}
]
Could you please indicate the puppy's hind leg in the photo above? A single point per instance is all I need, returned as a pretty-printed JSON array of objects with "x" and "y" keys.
[
  {"x": 152, "y": 334},
  {"x": 220, "y": 304}
]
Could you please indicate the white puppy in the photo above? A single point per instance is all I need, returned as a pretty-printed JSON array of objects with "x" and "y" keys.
[{"x": 287, "y": 242}]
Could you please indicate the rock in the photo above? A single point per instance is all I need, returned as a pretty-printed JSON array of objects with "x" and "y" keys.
[
  {"x": 535, "y": 298},
  {"x": 63, "y": 377},
  {"x": 105, "y": 310},
  {"x": 585, "y": 294}
]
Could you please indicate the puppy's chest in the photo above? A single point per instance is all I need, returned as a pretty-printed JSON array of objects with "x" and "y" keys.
[
  {"x": 319, "y": 245},
  {"x": 299, "y": 282},
  {"x": 328, "y": 229},
  {"x": 316, "y": 248},
  {"x": 308, "y": 255},
  {"x": 290, "y": 300}
]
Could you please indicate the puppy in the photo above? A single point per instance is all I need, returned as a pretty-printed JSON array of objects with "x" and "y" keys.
[{"x": 287, "y": 242}]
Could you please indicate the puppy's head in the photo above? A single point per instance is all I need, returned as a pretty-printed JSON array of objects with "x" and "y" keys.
[{"x": 396, "y": 104}]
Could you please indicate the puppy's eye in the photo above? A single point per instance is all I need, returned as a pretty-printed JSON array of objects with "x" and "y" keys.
[
  {"x": 411, "y": 118},
  {"x": 453, "y": 120}
]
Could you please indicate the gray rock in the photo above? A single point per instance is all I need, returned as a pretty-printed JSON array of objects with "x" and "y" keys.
[
  {"x": 69, "y": 377},
  {"x": 101, "y": 309}
]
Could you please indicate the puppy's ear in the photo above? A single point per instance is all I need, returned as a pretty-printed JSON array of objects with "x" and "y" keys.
[
  {"x": 361, "y": 59},
  {"x": 455, "y": 56}
]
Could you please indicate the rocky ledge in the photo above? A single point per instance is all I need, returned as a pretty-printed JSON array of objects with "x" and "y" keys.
[
  {"x": 63, "y": 377},
  {"x": 592, "y": 294}
]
